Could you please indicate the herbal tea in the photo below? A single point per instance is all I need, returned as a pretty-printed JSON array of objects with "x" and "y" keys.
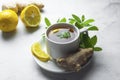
[{"x": 62, "y": 34}]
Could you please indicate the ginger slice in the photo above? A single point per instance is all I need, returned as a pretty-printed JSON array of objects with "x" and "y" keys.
[{"x": 74, "y": 62}]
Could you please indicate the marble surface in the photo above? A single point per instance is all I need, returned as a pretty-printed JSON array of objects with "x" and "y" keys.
[{"x": 17, "y": 63}]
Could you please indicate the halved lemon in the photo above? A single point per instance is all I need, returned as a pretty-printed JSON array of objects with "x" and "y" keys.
[
  {"x": 39, "y": 53},
  {"x": 31, "y": 16}
]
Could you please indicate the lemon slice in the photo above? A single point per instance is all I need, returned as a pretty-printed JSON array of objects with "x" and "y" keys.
[
  {"x": 39, "y": 53},
  {"x": 31, "y": 16}
]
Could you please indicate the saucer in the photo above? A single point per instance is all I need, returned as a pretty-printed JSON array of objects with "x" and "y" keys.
[{"x": 51, "y": 66}]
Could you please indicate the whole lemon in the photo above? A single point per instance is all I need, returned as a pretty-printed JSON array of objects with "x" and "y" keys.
[{"x": 8, "y": 20}]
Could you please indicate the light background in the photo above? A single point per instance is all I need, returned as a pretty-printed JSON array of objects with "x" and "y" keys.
[{"x": 17, "y": 63}]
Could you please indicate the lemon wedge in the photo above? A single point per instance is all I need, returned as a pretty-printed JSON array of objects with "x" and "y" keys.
[
  {"x": 39, "y": 53},
  {"x": 31, "y": 16},
  {"x": 8, "y": 20}
]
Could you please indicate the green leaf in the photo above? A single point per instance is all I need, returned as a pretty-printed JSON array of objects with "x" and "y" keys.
[
  {"x": 83, "y": 18},
  {"x": 82, "y": 45},
  {"x": 97, "y": 49},
  {"x": 47, "y": 22},
  {"x": 71, "y": 21},
  {"x": 88, "y": 21},
  {"x": 93, "y": 28},
  {"x": 93, "y": 40},
  {"x": 86, "y": 40},
  {"x": 76, "y": 18},
  {"x": 77, "y": 24},
  {"x": 64, "y": 35},
  {"x": 63, "y": 20}
]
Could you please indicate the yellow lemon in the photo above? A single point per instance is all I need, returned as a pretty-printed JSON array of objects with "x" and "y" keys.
[
  {"x": 8, "y": 20},
  {"x": 39, "y": 53},
  {"x": 31, "y": 16}
]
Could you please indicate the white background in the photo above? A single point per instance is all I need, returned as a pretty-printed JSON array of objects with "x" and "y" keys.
[{"x": 17, "y": 63}]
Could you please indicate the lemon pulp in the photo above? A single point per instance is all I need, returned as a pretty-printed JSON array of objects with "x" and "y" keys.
[{"x": 31, "y": 16}]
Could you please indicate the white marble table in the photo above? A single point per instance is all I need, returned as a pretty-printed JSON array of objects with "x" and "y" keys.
[{"x": 17, "y": 63}]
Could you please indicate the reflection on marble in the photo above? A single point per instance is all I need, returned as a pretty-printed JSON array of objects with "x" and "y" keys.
[{"x": 17, "y": 63}]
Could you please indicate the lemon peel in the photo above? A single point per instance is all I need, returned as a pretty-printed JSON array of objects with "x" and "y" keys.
[{"x": 8, "y": 20}]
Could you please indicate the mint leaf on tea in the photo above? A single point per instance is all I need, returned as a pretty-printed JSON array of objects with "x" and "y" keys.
[{"x": 64, "y": 35}]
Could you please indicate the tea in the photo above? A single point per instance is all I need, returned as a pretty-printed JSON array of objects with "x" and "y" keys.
[{"x": 62, "y": 34}]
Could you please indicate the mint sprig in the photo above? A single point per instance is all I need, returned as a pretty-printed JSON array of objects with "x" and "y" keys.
[
  {"x": 86, "y": 41},
  {"x": 64, "y": 35}
]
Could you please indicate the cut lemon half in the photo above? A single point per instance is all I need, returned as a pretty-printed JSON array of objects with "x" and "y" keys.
[
  {"x": 31, "y": 16},
  {"x": 39, "y": 53}
]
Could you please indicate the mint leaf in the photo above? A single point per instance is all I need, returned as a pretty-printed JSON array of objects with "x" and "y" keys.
[
  {"x": 76, "y": 18},
  {"x": 97, "y": 48},
  {"x": 86, "y": 40},
  {"x": 47, "y": 22},
  {"x": 93, "y": 40},
  {"x": 77, "y": 24},
  {"x": 93, "y": 28},
  {"x": 83, "y": 18},
  {"x": 71, "y": 21},
  {"x": 88, "y": 21},
  {"x": 64, "y": 35},
  {"x": 63, "y": 20}
]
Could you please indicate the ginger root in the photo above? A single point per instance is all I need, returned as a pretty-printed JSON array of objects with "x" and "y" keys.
[
  {"x": 74, "y": 62},
  {"x": 11, "y": 6},
  {"x": 18, "y": 6},
  {"x": 22, "y": 4}
]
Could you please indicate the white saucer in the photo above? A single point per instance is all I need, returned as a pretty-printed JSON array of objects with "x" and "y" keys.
[{"x": 50, "y": 65}]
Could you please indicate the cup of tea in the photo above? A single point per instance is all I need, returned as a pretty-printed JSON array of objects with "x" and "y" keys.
[{"x": 62, "y": 39}]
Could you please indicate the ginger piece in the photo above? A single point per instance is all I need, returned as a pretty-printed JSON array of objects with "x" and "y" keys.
[
  {"x": 10, "y": 5},
  {"x": 22, "y": 4},
  {"x": 74, "y": 62},
  {"x": 18, "y": 6}
]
